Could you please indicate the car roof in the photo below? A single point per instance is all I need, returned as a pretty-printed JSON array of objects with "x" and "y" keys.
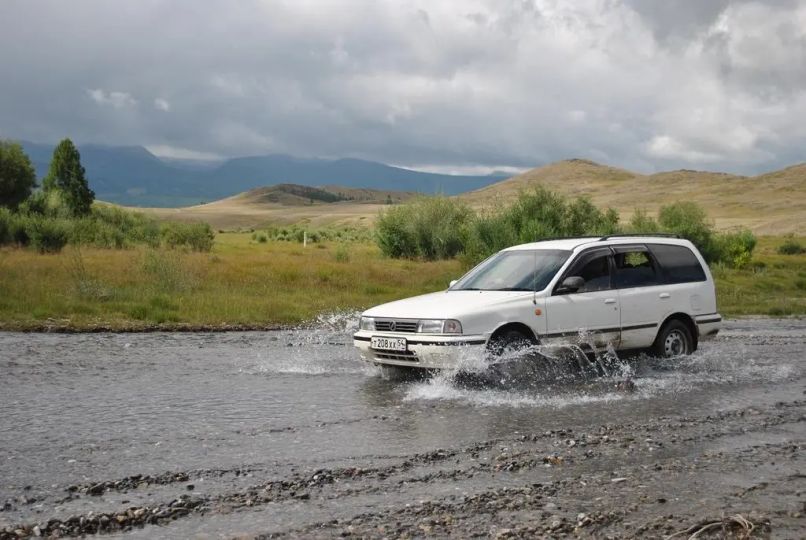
[{"x": 572, "y": 244}]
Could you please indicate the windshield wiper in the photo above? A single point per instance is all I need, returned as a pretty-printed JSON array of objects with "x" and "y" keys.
[{"x": 513, "y": 289}]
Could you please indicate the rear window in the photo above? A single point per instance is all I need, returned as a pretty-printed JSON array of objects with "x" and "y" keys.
[
  {"x": 634, "y": 268},
  {"x": 678, "y": 263}
]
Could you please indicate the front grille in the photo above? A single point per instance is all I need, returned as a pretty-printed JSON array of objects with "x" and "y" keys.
[
  {"x": 406, "y": 356},
  {"x": 396, "y": 325}
]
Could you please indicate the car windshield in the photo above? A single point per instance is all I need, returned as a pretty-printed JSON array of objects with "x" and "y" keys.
[{"x": 517, "y": 270}]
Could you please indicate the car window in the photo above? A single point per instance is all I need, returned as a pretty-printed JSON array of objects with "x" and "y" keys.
[
  {"x": 634, "y": 268},
  {"x": 595, "y": 270},
  {"x": 678, "y": 263},
  {"x": 516, "y": 270}
]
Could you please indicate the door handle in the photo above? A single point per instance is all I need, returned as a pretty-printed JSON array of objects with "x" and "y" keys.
[
  {"x": 610, "y": 301},
  {"x": 665, "y": 295}
]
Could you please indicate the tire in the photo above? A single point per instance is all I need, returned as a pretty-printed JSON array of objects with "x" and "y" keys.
[
  {"x": 674, "y": 339},
  {"x": 508, "y": 341}
]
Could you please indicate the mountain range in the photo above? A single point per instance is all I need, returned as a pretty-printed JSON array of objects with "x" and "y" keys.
[{"x": 133, "y": 176}]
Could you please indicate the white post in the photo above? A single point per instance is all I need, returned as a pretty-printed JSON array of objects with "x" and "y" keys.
[{"x": 304, "y": 239}]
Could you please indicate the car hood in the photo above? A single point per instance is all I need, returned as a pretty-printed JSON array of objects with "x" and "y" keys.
[{"x": 445, "y": 304}]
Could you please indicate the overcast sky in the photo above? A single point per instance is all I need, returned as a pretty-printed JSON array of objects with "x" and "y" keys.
[{"x": 464, "y": 85}]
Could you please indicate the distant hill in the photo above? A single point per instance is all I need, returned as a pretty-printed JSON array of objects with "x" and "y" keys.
[
  {"x": 771, "y": 203},
  {"x": 297, "y": 195},
  {"x": 287, "y": 204},
  {"x": 133, "y": 176}
]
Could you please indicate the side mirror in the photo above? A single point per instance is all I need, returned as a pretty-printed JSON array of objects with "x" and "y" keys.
[
  {"x": 452, "y": 283},
  {"x": 571, "y": 284}
]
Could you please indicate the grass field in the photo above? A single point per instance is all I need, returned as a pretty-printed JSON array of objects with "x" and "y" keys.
[
  {"x": 239, "y": 283},
  {"x": 246, "y": 284}
]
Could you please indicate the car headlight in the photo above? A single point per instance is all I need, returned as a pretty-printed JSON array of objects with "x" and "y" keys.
[
  {"x": 439, "y": 326},
  {"x": 367, "y": 323}
]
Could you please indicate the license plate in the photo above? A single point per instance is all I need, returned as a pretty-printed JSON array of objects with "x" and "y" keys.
[{"x": 388, "y": 344}]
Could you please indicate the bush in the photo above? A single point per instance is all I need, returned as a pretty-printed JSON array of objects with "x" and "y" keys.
[
  {"x": 47, "y": 235},
  {"x": 536, "y": 214},
  {"x": 791, "y": 247},
  {"x": 394, "y": 234},
  {"x": 17, "y": 174},
  {"x": 428, "y": 228},
  {"x": 735, "y": 249},
  {"x": 641, "y": 222},
  {"x": 690, "y": 221},
  {"x": 6, "y": 217},
  {"x": 196, "y": 236}
]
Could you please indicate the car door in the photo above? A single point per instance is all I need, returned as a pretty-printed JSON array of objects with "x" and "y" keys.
[
  {"x": 589, "y": 315},
  {"x": 641, "y": 293}
]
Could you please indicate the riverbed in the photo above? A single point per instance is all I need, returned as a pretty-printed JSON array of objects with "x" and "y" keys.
[{"x": 290, "y": 434}]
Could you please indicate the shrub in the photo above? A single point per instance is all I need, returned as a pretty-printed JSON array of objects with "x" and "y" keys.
[
  {"x": 6, "y": 217},
  {"x": 641, "y": 222},
  {"x": 17, "y": 174},
  {"x": 791, "y": 247},
  {"x": 196, "y": 236},
  {"x": 428, "y": 228},
  {"x": 536, "y": 214},
  {"x": 735, "y": 249},
  {"x": 393, "y": 233},
  {"x": 261, "y": 238},
  {"x": 18, "y": 230},
  {"x": 46, "y": 203},
  {"x": 690, "y": 221},
  {"x": 47, "y": 235}
]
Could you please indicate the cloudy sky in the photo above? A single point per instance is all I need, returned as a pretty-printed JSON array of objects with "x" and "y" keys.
[{"x": 463, "y": 85}]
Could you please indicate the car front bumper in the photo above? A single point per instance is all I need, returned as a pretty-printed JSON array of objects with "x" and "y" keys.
[{"x": 425, "y": 351}]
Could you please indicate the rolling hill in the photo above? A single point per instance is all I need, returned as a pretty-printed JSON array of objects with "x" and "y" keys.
[
  {"x": 133, "y": 176},
  {"x": 771, "y": 203},
  {"x": 286, "y": 204}
]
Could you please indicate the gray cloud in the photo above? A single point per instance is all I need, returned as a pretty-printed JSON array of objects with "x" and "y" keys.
[{"x": 481, "y": 83}]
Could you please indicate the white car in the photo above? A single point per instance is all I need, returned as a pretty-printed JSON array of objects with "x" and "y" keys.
[{"x": 629, "y": 292}]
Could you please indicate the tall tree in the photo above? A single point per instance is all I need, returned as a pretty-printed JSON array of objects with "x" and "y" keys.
[
  {"x": 67, "y": 175},
  {"x": 17, "y": 175}
]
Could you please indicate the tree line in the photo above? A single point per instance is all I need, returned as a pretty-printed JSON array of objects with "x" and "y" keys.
[
  {"x": 66, "y": 176},
  {"x": 61, "y": 210}
]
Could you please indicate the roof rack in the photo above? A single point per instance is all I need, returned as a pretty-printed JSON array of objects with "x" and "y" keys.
[
  {"x": 633, "y": 235},
  {"x": 549, "y": 238}
]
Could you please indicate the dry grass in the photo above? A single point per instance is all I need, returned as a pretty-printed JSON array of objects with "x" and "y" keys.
[{"x": 770, "y": 204}]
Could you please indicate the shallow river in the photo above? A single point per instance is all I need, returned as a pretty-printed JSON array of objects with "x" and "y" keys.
[{"x": 218, "y": 417}]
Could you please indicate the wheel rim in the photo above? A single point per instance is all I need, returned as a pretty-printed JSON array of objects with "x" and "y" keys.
[{"x": 675, "y": 343}]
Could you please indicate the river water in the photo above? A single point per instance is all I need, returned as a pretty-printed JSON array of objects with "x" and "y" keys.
[{"x": 230, "y": 410}]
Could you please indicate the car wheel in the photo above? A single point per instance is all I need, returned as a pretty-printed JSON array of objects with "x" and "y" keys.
[
  {"x": 510, "y": 341},
  {"x": 674, "y": 339}
]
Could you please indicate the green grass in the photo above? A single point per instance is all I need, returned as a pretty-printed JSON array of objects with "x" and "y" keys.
[
  {"x": 244, "y": 283},
  {"x": 239, "y": 283},
  {"x": 772, "y": 284}
]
